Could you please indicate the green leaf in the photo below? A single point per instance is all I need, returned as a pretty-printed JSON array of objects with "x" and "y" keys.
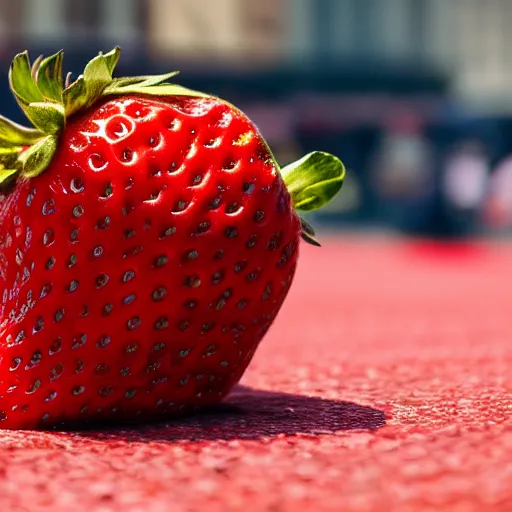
[
  {"x": 313, "y": 180},
  {"x": 5, "y": 174},
  {"x": 157, "y": 90},
  {"x": 9, "y": 164},
  {"x": 47, "y": 117},
  {"x": 13, "y": 134},
  {"x": 141, "y": 81},
  {"x": 74, "y": 96},
  {"x": 98, "y": 73},
  {"x": 35, "y": 65},
  {"x": 89, "y": 87},
  {"x": 49, "y": 77},
  {"x": 112, "y": 58},
  {"x": 21, "y": 80},
  {"x": 38, "y": 157}
]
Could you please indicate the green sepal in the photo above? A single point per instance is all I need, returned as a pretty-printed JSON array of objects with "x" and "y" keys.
[
  {"x": 156, "y": 90},
  {"x": 89, "y": 87},
  {"x": 49, "y": 118},
  {"x": 5, "y": 174},
  {"x": 74, "y": 96},
  {"x": 308, "y": 233},
  {"x": 38, "y": 157},
  {"x": 141, "y": 81},
  {"x": 13, "y": 134},
  {"x": 46, "y": 116},
  {"x": 313, "y": 180},
  {"x": 22, "y": 81},
  {"x": 35, "y": 65},
  {"x": 98, "y": 71},
  {"x": 8, "y": 163},
  {"x": 48, "y": 76},
  {"x": 112, "y": 58}
]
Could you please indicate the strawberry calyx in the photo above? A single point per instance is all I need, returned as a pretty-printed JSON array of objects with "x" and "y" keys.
[{"x": 48, "y": 100}]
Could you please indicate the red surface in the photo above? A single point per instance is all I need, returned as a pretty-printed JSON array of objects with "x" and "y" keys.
[{"x": 385, "y": 384}]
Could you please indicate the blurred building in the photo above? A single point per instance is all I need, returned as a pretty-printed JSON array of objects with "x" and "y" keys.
[
  {"x": 50, "y": 23},
  {"x": 233, "y": 31},
  {"x": 468, "y": 39},
  {"x": 331, "y": 75}
]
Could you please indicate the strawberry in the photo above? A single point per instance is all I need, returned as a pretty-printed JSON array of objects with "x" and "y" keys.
[{"x": 148, "y": 240}]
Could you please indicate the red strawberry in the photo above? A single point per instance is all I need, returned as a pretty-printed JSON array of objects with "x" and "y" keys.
[{"x": 147, "y": 242}]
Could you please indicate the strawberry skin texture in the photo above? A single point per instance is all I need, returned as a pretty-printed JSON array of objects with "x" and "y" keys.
[{"x": 141, "y": 270}]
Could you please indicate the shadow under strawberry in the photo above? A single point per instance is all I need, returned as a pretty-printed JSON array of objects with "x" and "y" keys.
[{"x": 250, "y": 414}]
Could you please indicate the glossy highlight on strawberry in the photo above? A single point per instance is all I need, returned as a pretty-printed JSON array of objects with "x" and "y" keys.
[{"x": 148, "y": 240}]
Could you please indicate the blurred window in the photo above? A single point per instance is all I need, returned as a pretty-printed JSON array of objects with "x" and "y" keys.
[
  {"x": 10, "y": 24},
  {"x": 43, "y": 19},
  {"x": 83, "y": 16}
]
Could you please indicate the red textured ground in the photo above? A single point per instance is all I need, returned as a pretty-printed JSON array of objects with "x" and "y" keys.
[{"x": 385, "y": 385}]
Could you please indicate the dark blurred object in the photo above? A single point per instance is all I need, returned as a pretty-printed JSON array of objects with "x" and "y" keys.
[{"x": 368, "y": 81}]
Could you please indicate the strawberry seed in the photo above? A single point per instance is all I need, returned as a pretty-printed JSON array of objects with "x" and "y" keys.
[
  {"x": 184, "y": 325},
  {"x": 97, "y": 251},
  {"x": 15, "y": 364},
  {"x": 79, "y": 341},
  {"x": 72, "y": 286},
  {"x": 217, "y": 277},
  {"x": 127, "y": 155},
  {"x": 192, "y": 281},
  {"x": 159, "y": 293},
  {"x": 55, "y": 347},
  {"x": 49, "y": 207},
  {"x": 129, "y": 299},
  {"x": 78, "y": 210},
  {"x": 161, "y": 260},
  {"x": 101, "y": 369},
  {"x": 104, "y": 341},
  {"x": 105, "y": 391},
  {"x": 167, "y": 232},
  {"x": 34, "y": 387},
  {"x": 48, "y": 237},
  {"x": 78, "y": 390},
  {"x": 51, "y": 396},
  {"x": 101, "y": 280},
  {"x": 38, "y": 325},
  {"x": 162, "y": 323},
  {"x": 129, "y": 275},
  {"x": 198, "y": 178},
  {"x": 133, "y": 323},
  {"x": 77, "y": 185},
  {"x": 107, "y": 309}
]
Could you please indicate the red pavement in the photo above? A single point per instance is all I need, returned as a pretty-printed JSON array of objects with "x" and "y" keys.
[{"x": 385, "y": 385}]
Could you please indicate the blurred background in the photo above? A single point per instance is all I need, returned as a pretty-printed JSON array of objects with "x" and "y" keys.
[{"x": 415, "y": 96}]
